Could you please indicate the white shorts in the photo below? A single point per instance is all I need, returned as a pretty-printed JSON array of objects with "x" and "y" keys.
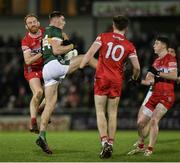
[
  {"x": 54, "y": 72},
  {"x": 147, "y": 111}
]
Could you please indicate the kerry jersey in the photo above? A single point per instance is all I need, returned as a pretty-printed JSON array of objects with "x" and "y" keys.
[{"x": 53, "y": 33}]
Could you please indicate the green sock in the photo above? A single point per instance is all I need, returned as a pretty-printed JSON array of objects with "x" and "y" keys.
[{"x": 42, "y": 134}]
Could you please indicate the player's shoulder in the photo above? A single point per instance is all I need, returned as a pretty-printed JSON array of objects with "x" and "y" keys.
[
  {"x": 48, "y": 28},
  {"x": 169, "y": 57},
  {"x": 42, "y": 29},
  {"x": 52, "y": 30},
  {"x": 105, "y": 34},
  {"x": 129, "y": 43}
]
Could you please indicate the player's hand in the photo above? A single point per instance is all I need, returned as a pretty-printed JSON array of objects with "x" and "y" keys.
[
  {"x": 133, "y": 83},
  {"x": 178, "y": 80},
  {"x": 154, "y": 71},
  {"x": 49, "y": 40},
  {"x": 65, "y": 36},
  {"x": 69, "y": 42},
  {"x": 147, "y": 82}
]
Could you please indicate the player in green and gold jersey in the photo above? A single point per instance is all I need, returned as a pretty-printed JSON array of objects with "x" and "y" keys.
[{"x": 56, "y": 67}]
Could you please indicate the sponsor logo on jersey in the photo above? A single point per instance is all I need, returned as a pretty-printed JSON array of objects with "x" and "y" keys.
[
  {"x": 172, "y": 64},
  {"x": 35, "y": 51}
]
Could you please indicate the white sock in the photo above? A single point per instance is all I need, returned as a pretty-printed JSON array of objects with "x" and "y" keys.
[{"x": 103, "y": 142}]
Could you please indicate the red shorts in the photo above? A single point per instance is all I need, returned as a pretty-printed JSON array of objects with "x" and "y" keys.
[
  {"x": 167, "y": 99},
  {"x": 107, "y": 87},
  {"x": 33, "y": 74}
]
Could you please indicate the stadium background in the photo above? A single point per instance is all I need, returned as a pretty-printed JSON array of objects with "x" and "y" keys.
[{"x": 85, "y": 19}]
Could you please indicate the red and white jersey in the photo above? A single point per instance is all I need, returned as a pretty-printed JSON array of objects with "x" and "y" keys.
[
  {"x": 33, "y": 44},
  {"x": 165, "y": 65},
  {"x": 114, "y": 50}
]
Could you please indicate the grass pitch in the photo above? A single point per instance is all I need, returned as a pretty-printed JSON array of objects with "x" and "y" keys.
[{"x": 84, "y": 147}]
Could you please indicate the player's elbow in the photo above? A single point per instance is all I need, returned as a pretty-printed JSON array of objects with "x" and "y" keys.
[
  {"x": 136, "y": 70},
  {"x": 174, "y": 77}
]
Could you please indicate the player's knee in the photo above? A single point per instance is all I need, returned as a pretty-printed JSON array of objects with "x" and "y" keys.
[
  {"x": 50, "y": 105},
  {"x": 154, "y": 122},
  {"x": 112, "y": 115},
  {"x": 140, "y": 124},
  {"x": 100, "y": 113},
  {"x": 38, "y": 94}
]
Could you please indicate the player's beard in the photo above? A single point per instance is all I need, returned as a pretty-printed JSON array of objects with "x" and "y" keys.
[{"x": 33, "y": 29}]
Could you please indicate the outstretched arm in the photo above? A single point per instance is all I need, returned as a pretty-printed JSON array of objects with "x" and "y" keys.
[{"x": 90, "y": 53}]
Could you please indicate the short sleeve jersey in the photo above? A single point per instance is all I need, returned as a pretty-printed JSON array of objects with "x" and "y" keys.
[
  {"x": 33, "y": 44},
  {"x": 165, "y": 64},
  {"x": 51, "y": 32},
  {"x": 114, "y": 50}
]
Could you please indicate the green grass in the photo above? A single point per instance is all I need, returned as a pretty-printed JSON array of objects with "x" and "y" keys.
[{"x": 84, "y": 147}]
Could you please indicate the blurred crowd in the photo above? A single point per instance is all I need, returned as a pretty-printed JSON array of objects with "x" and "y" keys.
[
  {"x": 76, "y": 91},
  {"x": 14, "y": 90}
]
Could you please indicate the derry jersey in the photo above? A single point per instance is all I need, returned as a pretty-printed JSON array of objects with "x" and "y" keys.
[
  {"x": 32, "y": 44},
  {"x": 54, "y": 33},
  {"x": 165, "y": 65},
  {"x": 114, "y": 50}
]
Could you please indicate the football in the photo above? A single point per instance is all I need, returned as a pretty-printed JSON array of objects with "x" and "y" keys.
[{"x": 71, "y": 54}]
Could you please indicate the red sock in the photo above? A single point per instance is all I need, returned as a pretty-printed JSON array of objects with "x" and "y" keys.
[
  {"x": 141, "y": 145},
  {"x": 33, "y": 120},
  {"x": 150, "y": 148},
  {"x": 104, "y": 138},
  {"x": 111, "y": 141}
]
